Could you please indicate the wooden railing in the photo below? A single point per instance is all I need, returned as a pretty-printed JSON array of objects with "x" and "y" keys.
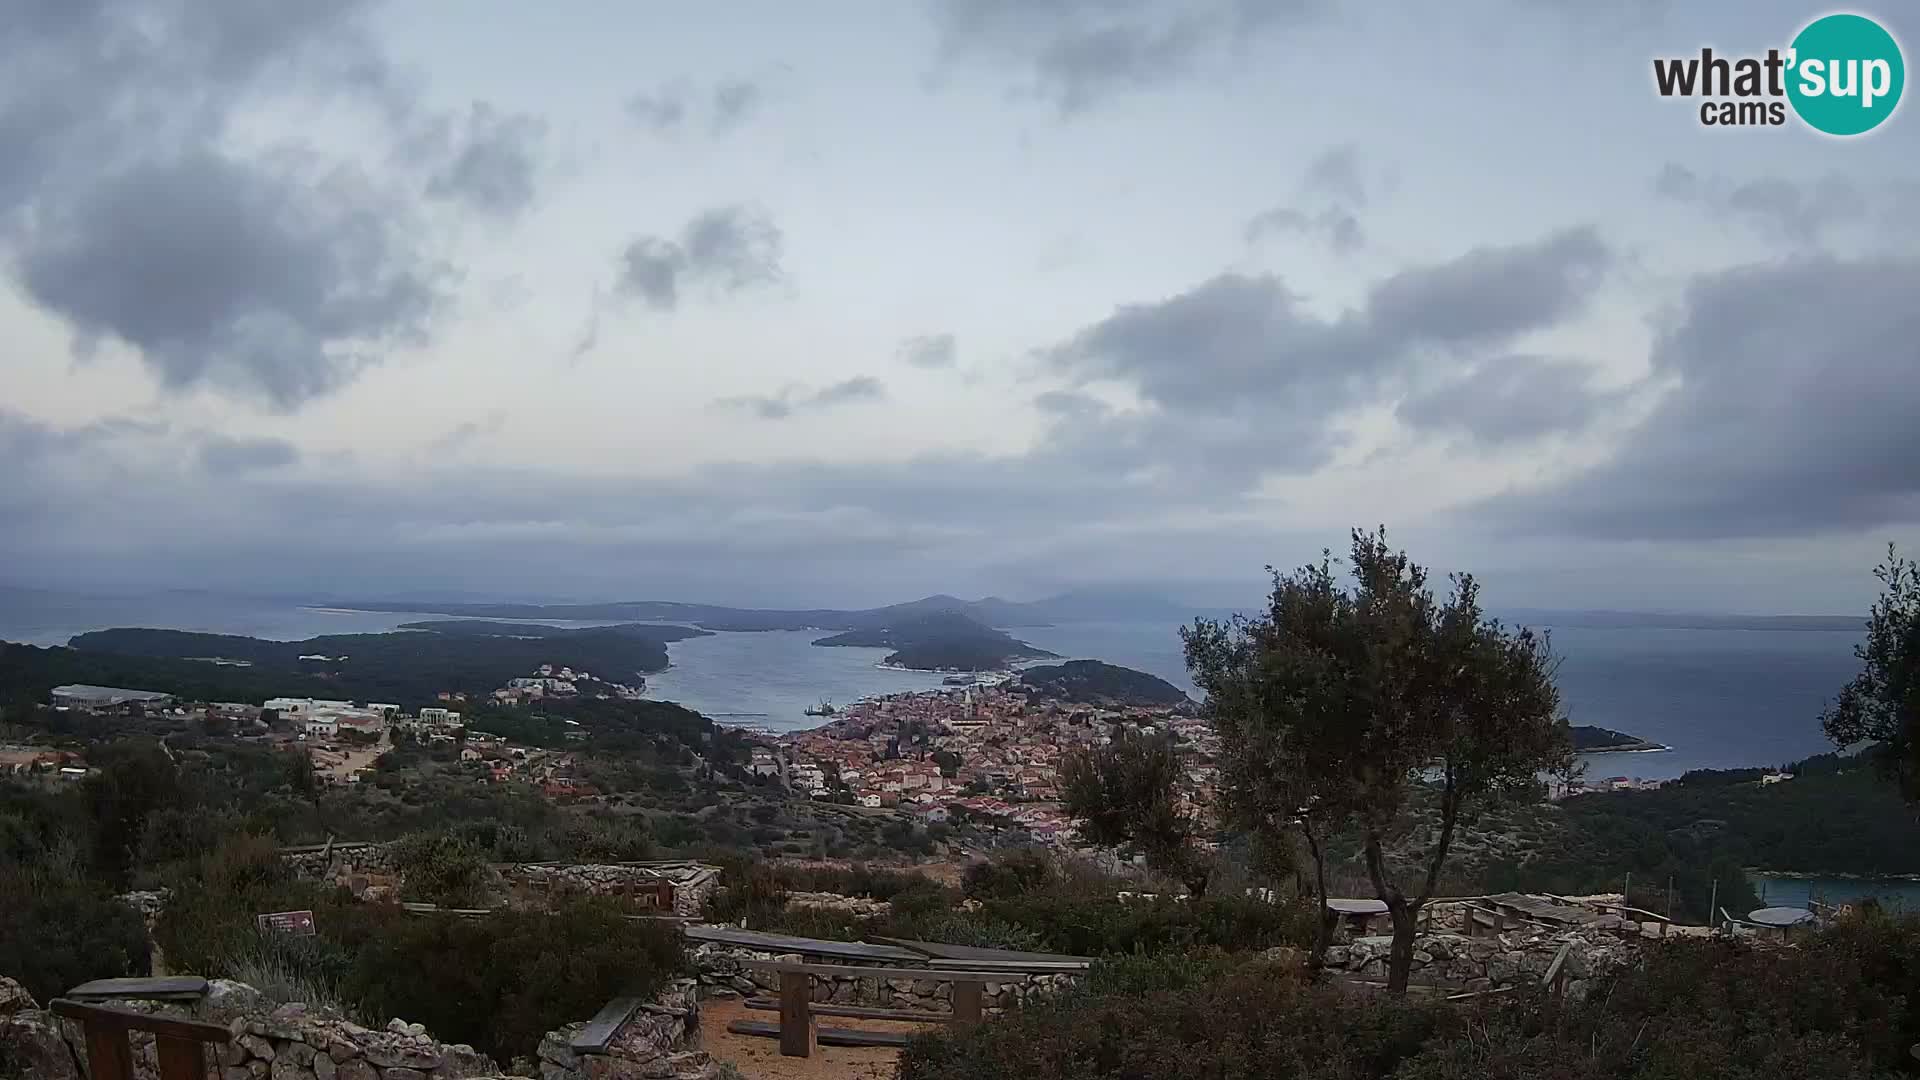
[{"x": 180, "y": 1045}]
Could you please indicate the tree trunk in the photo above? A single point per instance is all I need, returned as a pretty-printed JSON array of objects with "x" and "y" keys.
[
  {"x": 1323, "y": 926},
  {"x": 1400, "y": 958}
]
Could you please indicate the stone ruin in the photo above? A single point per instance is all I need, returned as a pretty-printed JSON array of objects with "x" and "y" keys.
[
  {"x": 292, "y": 1042},
  {"x": 723, "y": 972},
  {"x": 369, "y": 871}
]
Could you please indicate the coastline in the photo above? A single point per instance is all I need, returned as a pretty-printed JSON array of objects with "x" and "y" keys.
[{"x": 1627, "y": 748}]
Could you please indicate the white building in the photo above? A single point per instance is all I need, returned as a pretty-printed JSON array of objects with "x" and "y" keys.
[
  {"x": 84, "y": 696},
  {"x": 321, "y": 728},
  {"x": 439, "y": 718}
]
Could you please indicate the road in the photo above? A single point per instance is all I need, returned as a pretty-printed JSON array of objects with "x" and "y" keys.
[{"x": 348, "y": 760}]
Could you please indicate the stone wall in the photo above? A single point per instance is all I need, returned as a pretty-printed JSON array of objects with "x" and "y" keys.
[
  {"x": 1487, "y": 963},
  {"x": 723, "y": 972},
  {"x": 294, "y": 1043},
  {"x": 369, "y": 870},
  {"x": 659, "y": 1041},
  {"x": 287, "y": 1043},
  {"x": 860, "y": 907}
]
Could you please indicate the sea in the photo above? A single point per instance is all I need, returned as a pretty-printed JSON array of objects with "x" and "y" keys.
[{"x": 1716, "y": 698}]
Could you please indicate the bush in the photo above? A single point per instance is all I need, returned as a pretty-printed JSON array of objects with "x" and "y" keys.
[
  {"x": 57, "y": 930},
  {"x": 1016, "y": 874},
  {"x": 443, "y": 868},
  {"x": 1255, "y": 1022},
  {"x": 499, "y": 983},
  {"x": 1842, "y": 1005},
  {"x": 1102, "y": 927}
]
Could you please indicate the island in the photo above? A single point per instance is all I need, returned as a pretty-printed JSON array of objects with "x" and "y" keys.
[
  {"x": 1599, "y": 740},
  {"x": 1094, "y": 682},
  {"x": 405, "y": 666},
  {"x": 941, "y": 641}
]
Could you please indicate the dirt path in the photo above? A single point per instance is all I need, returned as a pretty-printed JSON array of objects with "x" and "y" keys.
[{"x": 758, "y": 1058}]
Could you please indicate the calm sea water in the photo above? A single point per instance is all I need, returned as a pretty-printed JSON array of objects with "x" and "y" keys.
[{"x": 1719, "y": 698}]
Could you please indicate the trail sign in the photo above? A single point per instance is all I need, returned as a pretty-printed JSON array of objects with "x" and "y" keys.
[{"x": 296, "y": 923}]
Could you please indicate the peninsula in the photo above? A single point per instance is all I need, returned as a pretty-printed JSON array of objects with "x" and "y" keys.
[
  {"x": 1599, "y": 740},
  {"x": 941, "y": 641}
]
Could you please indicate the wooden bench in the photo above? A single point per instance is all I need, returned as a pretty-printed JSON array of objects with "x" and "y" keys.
[
  {"x": 179, "y": 1044},
  {"x": 798, "y": 1033}
]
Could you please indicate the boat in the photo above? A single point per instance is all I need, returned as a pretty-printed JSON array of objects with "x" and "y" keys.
[{"x": 825, "y": 708}]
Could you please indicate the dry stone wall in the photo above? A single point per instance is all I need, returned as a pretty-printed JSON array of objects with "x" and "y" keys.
[
  {"x": 1487, "y": 963},
  {"x": 723, "y": 972},
  {"x": 658, "y": 1042}
]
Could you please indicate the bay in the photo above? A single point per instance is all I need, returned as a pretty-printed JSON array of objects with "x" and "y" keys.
[{"x": 1719, "y": 698}]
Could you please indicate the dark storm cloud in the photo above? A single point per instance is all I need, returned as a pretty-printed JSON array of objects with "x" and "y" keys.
[
  {"x": 727, "y": 249},
  {"x": 225, "y": 456},
  {"x": 791, "y": 399},
  {"x": 1079, "y": 53},
  {"x": 1508, "y": 399},
  {"x": 1791, "y": 412},
  {"x": 1800, "y": 213},
  {"x": 277, "y": 274},
  {"x": 931, "y": 351},
  {"x": 494, "y": 160}
]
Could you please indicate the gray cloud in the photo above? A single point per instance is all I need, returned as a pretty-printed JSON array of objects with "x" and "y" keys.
[
  {"x": 660, "y": 110},
  {"x": 1508, "y": 399},
  {"x": 1791, "y": 412},
  {"x": 1798, "y": 213},
  {"x": 729, "y": 103},
  {"x": 1236, "y": 335},
  {"x": 222, "y": 455},
  {"x": 1079, "y": 53},
  {"x": 791, "y": 399},
  {"x": 306, "y": 275},
  {"x": 493, "y": 162},
  {"x": 734, "y": 100},
  {"x": 1340, "y": 228},
  {"x": 728, "y": 249},
  {"x": 929, "y": 351},
  {"x": 276, "y": 274},
  {"x": 1334, "y": 187}
]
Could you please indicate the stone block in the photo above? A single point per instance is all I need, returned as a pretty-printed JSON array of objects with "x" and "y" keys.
[
  {"x": 299, "y": 1052},
  {"x": 402, "y": 1073},
  {"x": 324, "y": 1068},
  {"x": 356, "y": 1069},
  {"x": 256, "y": 1046}
]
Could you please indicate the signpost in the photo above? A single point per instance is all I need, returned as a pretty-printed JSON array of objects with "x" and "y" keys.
[{"x": 296, "y": 923}]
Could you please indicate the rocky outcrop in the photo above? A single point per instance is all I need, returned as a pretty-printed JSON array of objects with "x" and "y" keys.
[
  {"x": 723, "y": 972},
  {"x": 32, "y": 1045}
]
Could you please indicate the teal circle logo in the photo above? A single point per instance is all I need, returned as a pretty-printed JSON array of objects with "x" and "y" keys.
[{"x": 1846, "y": 74}]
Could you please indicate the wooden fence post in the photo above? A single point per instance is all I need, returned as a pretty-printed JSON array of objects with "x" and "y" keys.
[
  {"x": 797, "y": 1025},
  {"x": 966, "y": 1003}
]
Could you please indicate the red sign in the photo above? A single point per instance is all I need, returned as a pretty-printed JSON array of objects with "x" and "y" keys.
[{"x": 297, "y": 923}]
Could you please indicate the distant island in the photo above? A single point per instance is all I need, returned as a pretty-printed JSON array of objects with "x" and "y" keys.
[
  {"x": 1075, "y": 606},
  {"x": 1599, "y": 740},
  {"x": 1094, "y": 681},
  {"x": 941, "y": 641},
  {"x": 405, "y": 666}
]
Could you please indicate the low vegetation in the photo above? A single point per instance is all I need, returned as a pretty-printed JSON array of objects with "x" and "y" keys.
[{"x": 1845, "y": 1005}]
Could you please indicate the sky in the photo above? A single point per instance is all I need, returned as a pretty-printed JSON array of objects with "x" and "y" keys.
[{"x": 847, "y": 302}]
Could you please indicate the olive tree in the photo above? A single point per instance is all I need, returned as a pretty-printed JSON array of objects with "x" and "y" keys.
[
  {"x": 1342, "y": 701},
  {"x": 1127, "y": 791},
  {"x": 1882, "y": 704}
]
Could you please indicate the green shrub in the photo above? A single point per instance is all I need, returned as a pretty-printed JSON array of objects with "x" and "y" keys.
[
  {"x": 1101, "y": 927},
  {"x": 58, "y": 929},
  {"x": 499, "y": 983},
  {"x": 442, "y": 868}
]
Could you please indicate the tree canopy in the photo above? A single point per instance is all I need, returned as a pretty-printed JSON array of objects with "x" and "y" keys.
[
  {"x": 1882, "y": 703},
  {"x": 1340, "y": 700}
]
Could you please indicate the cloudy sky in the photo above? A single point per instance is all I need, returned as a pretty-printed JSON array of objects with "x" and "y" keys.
[{"x": 845, "y": 302}]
